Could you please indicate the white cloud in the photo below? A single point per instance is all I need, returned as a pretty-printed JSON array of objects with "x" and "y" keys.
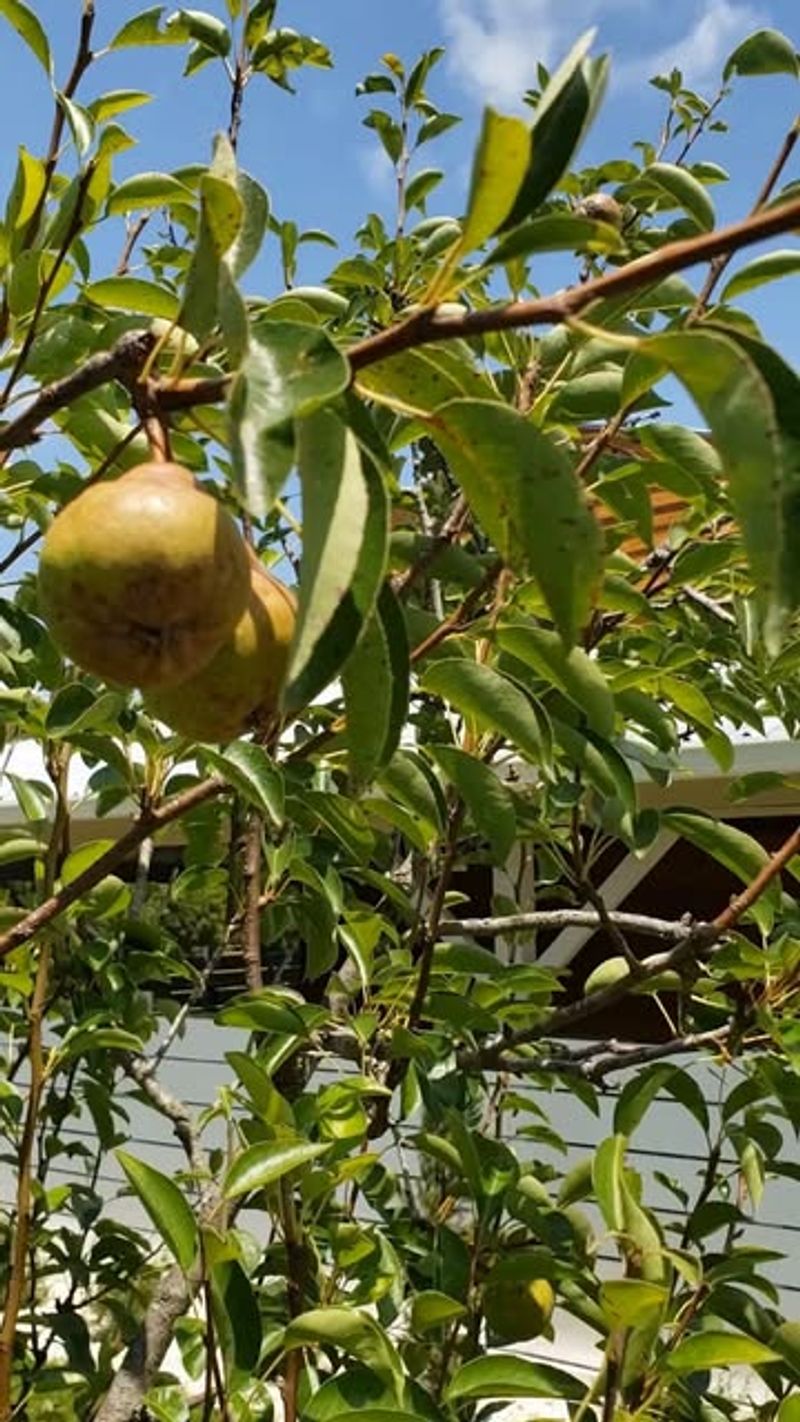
[
  {"x": 494, "y": 45},
  {"x": 376, "y": 168},
  {"x": 700, "y": 53}
]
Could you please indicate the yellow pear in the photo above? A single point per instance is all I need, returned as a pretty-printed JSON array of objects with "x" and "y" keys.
[
  {"x": 142, "y": 578},
  {"x": 517, "y": 1302},
  {"x": 240, "y": 687}
]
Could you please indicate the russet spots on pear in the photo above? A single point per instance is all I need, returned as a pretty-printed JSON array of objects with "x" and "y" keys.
[
  {"x": 240, "y": 687},
  {"x": 143, "y": 577}
]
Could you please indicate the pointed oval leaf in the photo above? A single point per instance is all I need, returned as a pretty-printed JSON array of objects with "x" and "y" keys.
[
  {"x": 717, "y": 1350},
  {"x": 500, "y": 163},
  {"x": 638, "y": 1094},
  {"x": 125, "y": 293},
  {"x": 166, "y": 1206},
  {"x": 29, "y": 27},
  {"x": 489, "y": 700},
  {"x": 504, "y": 1376},
  {"x": 268, "y": 1161},
  {"x": 289, "y": 371},
  {"x": 769, "y": 267},
  {"x": 253, "y": 772},
  {"x": 731, "y": 847},
  {"x": 375, "y": 680},
  {"x": 735, "y": 399},
  {"x": 354, "y": 1332},
  {"x": 146, "y": 190},
  {"x": 485, "y": 795},
  {"x": 678, "y": 185},
  {"x": 573, "y": 672},
  {"x": 764, "y": 52},
  {"x": 564, "y": 115},
  {"x": 345, "y": 546},
  {"x": 523, "y": 491}
]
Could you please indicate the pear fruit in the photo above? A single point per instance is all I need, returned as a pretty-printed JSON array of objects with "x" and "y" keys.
[
  {"x": 517, "y": 1302},
  {"x": 240, "y": 687},
  {"x": 141, "y": 578}
]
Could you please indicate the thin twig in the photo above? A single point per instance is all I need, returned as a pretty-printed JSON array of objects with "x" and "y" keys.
[
  {"x": 134, "y": 232},
  {"x": 721, "y": 259}
]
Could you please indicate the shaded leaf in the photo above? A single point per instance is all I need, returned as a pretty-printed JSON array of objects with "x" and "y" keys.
[
  {"x": 765, "y": 52},
  {"x": 29, "y": 27},
  {"x": 503, "y": 1376},
  {"x": 524, "y": 493},
  {"x": 486, "y": 797},
  {"x": 734, "y": 849},
  {"x": 488, "y": 700},
  {"x": 768, "y": 267},
  {"x": 345, "y": 542},
  {"x": 375, "y": 680},
  {"x": 252, "y": 771},
  {"x": 166, "y": 1206},
  {"x": 289, "y": 371},
  {"x": 573, "y": 671}
]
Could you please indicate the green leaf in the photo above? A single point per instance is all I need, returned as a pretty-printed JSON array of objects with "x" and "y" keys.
[
  {"x": 573, "y": 671},
  {"x": 76, "y": 707},
  {"x": 716, "y": 1350},
  {"x": 489, "y": 700},
  {"x": 345, "y": 541},
  {"x": 601, "y": 764},
  {"x": 146, "y": 190},
  {"x": 353, "y": 1332},
  {"x": 501, "y": 159},
  {"x": 205, "y": 29},
  {"x": 126, "y": 293},
  {"x": 632, "y": 1303},
  {"x": 252, "y": 771},
  {"x": 424, "y": 379},
  {"x": 783, "y": 384},
  {"x": 765, "y": 52},
  {"x": 117, "y": 101},
  {"x": 431, "y": 1309},
  {"x": 503, "y": 1376},
  {"x": 255, "y": 217},
  {"x": 769, "y": 267},
  {"x": 144, "y": 29},
  {"x": 221, "y": 215},
  {"x": 608, "y": 1172},
  {"x": 80, "y": 123},
  {"x": 524, "y": 494},
  {"x": 236, "y": 1297},
  {"x": 735, "y": 399},
  {"x": 731, "y": 847},
  {"x": 638, "y": 1094},
  {"x": 166, "y": 1206},
  {"x": 409, "y": 779},
  {"x": 563, "y": 116},
  {"x": 789, "y": 1410},
  {"x": 486, "y": 797},
  {"x": 558, "y": 232},
  {"x": 678, "y": 186},
  {"x": 28, "y": 25},
  {"x": 289, "y": 371},
  {"x": 267, "y": 1162},
  {"x": 375, "y": 680}
]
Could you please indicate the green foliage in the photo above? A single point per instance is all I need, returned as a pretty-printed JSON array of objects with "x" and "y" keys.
[{"x": 497, "y": 647}]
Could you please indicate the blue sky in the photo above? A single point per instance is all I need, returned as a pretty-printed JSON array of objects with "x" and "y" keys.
[{"x": 322, "y": 167}]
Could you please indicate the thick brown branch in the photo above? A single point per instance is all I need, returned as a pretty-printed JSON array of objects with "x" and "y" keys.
[
  {"x": 122, "y": 362},
  {"x": 427, "y": 326},
  {"x": 610, "y": 1057},
  {"x": 147, "y": 824}
]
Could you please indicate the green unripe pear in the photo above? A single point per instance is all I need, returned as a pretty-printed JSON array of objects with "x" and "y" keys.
[
  {"x": 517, "y": 1302},
  {"x": 240, "y": 687},
  {"x": 142, "y": 578}
]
